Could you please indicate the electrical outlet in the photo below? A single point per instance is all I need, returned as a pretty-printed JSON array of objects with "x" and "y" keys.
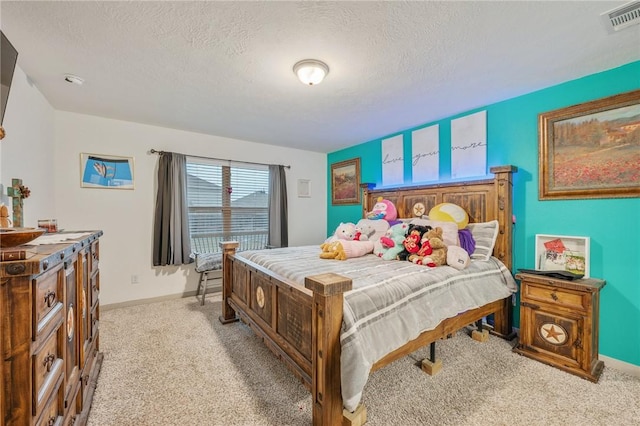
[{"x": 134, "y": 279}]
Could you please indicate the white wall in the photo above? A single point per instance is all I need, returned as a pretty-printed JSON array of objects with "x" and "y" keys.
[
  {"x": 43, "y": 147},
  {"x": 26, "y": 152},
  {"x": 126, "y": 216}
]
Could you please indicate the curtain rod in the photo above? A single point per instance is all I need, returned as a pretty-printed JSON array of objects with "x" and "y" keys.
[{"x": 154, "y": 151}]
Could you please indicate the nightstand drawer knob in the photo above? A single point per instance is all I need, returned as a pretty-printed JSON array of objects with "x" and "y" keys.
[{"x": 554, "y": 296}]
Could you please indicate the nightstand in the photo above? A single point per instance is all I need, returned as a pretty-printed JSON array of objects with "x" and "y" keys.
[{"x": 559, "y": 323}]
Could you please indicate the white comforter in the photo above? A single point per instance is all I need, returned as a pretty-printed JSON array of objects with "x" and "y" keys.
[{"x": 391, "y": 302}]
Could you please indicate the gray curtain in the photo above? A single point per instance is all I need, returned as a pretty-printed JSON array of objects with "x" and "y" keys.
[
  {"x": 278, "y": 214},
  {"x": 171, "y": 242}
]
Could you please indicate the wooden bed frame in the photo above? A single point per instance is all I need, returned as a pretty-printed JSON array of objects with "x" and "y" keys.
[{"x": 301, "y": 325}]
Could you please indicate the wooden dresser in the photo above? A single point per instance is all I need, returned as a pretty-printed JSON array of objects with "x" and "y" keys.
[
  {"x": 49, "y": 333},
  {"x": 559, "y": 323}
]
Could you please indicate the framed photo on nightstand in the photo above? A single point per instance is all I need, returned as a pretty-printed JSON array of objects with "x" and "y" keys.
[{"x": 562, "y": 252}]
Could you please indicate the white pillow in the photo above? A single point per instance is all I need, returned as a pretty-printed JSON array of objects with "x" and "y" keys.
[
  {"x": 449, "y": 229},
  {"x": 485, "y": 234}
]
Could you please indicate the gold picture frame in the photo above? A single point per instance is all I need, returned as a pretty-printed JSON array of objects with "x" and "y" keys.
[
  {"x": 591, "y": 150},
  {"x": 345, "y": 182}
]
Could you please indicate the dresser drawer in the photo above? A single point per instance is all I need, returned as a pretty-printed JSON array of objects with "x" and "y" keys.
[
  {"x": 47, "y": 369},
  {"x": 95, "y": 288},
  {"x": 53, "y": 412},
  {"x": 47, "y": 294},
  {"x": 563, "y": 298},
  {"x": 85, "y": 385},
  {"x": 94, "y": 259},
  {"x": 71, "y": 409},
  {"x": 95, "y": 324}
]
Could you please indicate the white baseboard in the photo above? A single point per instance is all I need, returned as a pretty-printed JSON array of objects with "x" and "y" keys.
[
  {"x": 214, "y": 287},
  {"x": 625, "y": 367}
]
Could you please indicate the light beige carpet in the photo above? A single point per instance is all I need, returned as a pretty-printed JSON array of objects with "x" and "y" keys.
[{"x": 173, "y": 363}]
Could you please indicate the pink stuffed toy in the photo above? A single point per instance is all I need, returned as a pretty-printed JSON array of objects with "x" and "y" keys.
[{"x": 383, "y": 209}]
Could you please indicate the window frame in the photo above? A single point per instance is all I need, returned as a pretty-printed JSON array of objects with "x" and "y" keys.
[{"x": 208, "y": 242}]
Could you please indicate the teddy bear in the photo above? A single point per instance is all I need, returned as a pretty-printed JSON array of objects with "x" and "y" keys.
[
  {"x": 4, "y": 217},
  {"x": 433, "y": 251},
  {"x": 390, "y": 244},
  {"x": 411, "y": 242}
]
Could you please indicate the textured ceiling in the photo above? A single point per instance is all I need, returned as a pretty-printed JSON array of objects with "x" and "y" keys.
[{"x": 225, "y": 68}]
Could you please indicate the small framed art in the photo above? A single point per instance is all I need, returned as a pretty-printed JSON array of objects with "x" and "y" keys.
[
  {"x": 304, "y": 188},
  {"x": 345, "y": 182},
  {"x": 562, "y": 253},
  {"x": 106, "y": 171}
]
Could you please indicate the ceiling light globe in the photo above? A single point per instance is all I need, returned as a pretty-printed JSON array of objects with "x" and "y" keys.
[{"x": 311, "y": 71}]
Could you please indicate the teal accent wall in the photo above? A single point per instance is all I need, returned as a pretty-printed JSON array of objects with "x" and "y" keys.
[{"x": 611, "y": 223}]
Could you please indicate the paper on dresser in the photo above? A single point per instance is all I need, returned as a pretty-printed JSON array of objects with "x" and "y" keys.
[{"x": 58, "y": 238}]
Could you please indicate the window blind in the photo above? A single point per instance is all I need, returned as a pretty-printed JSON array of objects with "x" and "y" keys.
[{"x": 227, "y": 201}]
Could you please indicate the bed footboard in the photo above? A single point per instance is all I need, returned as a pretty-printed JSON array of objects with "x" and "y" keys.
[
  {"x": 326, "y": 317},
  {"x": 301, "y": 325}
]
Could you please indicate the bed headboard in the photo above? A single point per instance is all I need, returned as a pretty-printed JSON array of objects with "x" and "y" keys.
[{"x": 484, "y": 200}]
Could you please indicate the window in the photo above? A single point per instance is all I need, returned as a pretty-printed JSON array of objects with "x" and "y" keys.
[{"x": 227, "y": 202}]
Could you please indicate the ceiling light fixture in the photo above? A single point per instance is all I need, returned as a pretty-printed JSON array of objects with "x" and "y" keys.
[
  {"x": 70, "y": 78},
  {"x": 311, "y": 71}
]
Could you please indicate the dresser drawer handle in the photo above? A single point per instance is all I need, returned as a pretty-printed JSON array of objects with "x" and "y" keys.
[
  {"x": 554, "y": 296},
  {"x": 49, "y": 298},
  {"x": 48, "y": 361}
]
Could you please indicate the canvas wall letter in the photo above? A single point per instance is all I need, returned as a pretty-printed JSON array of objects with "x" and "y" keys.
[
  {"x": 469, "y": 146},
  {"x": 393, "y": 161}
]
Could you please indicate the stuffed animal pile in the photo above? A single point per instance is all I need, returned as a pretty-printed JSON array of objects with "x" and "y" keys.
[
  {"x": 432, "y": 251},
  {"x": 421, "y": 244}
]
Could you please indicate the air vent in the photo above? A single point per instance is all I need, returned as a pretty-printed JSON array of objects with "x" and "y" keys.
[{"x": 622, "y": 17}]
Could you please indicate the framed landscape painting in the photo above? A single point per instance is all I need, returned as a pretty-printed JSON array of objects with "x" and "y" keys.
[
  {"x": 591, "y": 150},
  {"x": 345, "y": 182}
]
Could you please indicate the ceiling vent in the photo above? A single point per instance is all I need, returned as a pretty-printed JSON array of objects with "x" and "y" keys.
[{"x": 622, "y": 17}]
